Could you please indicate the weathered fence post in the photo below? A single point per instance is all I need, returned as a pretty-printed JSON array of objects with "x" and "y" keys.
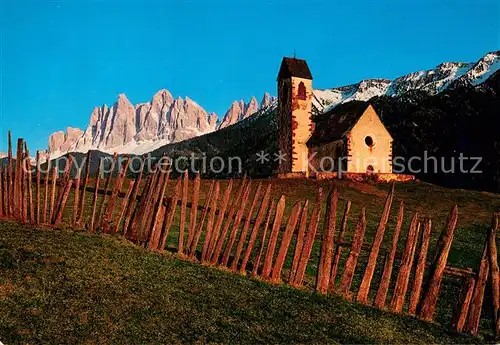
[
  {"x": 5, "y": 194},
  {"x": 419, "y": 271},
  {"x": 210, "y": 223},
  {"x": 3, "y": 189},
  {"x": 94, "y": 200},
  {"x": 256, "y": 263},
  {"x": 137, "y": 230},
  {"x": 246, "y": 226},
  {"x": 62, "y": 185},
  {"x": 84, "y": 189},
  {"x": 154, "y": 238},
  {"x": 220, "y": 218},
  {"x": 46, "y": 193},
  {"x": 273, "y": 238},
  {"x": 232, "y": 210},
  {"x": 102, "y": 207},
  {"x": 463, "y": 304},
  {"x": 364, "y": 288},
  {"x": 285, "y": 242},
  {"x": 299, "y": 243},
  {"x": 64, "y": 199},
  {"x": 256, "y": 227},
  {"x": 29, "y": 175},
  {"x": 148, "y": 220},
  {"x": 352, "y": 259},
  {"x": 110, "y": 207},
  {"x": 52, "y": 194},
  {"x": 24, "y": 185},
  {"x": 476, "y": 305},
  {"x": 128, "y": 229},
  {"x": 10, "y": 183},
  {"x": 338, "y": 249},
  {"x": 326, "y": 252},
  {"x": 236, "y": 225},
  {"x": 123, "y": 206},
  {"x": 169, "y": 215},
  {"x": 182, "y": 224},
  {"x": 398, "y": 297},
  {"x": 194, "y": 209},
  {"x": 430, "y": 295},
  {"x": 308, "y": 240},
  {"x": 199, "y": 228},
  {"x": 38, "y": 187},
  {"x": 77, "y": 198},
  {"x": 495, "y": 280},
  {"x": 18, "y": 181},
  {"x": 142, "y": 208}
]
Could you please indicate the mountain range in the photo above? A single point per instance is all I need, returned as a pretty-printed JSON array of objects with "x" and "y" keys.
[
  {"x": 140, "y": 128},
  {"x": 144, "y": 127}
]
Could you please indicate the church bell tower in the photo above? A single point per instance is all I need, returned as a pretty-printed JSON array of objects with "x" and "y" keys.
[{"x": 294, "y": 116}]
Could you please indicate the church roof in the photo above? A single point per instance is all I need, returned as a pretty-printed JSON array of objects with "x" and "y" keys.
[
  {"x": 291, "y": 67},
  {"x": 336, "y": 123}
]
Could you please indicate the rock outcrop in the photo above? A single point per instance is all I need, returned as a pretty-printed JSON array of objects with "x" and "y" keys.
[
  {"x": 126, "y": 128},
  {"x": 63, "y": 141},
  {"x": 240, "y": 110}
]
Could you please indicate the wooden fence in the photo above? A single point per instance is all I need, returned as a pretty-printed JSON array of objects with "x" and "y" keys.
[{"x": 227, "y": 234}]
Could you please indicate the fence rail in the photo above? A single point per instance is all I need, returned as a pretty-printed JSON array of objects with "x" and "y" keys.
[{"x": 223, "y": 231}]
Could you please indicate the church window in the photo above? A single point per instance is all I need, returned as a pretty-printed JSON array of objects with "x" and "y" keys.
[
  {"x": 302, "y": 91},
  {"x": 338, "y": 152},
  {"x": 369, "y": 141}
]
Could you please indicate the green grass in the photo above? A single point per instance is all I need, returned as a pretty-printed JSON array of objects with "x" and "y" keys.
[
  {"x": 475, "y": 210},
  {"x": 60, "y": 287}
]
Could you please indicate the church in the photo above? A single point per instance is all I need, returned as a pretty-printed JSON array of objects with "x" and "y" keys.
[{"x": 347, "y": 141}]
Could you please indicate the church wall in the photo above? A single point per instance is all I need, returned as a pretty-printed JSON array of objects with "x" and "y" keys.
[
  {"x": 301, "y": 124},
  {"x": 360, "y": 155},
  {"x": 325, "y": 157},
  {"x": 284, "y": 120}
]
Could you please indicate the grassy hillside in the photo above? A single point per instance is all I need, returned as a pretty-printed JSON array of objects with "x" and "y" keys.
[
  {"x": 70, "y": 287},
  {"x": 475, "y": 210}
]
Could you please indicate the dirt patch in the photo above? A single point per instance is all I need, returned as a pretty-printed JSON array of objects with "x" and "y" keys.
[
  {"x": 366, "y": 188},
  {"x": 6, "y": 289}
]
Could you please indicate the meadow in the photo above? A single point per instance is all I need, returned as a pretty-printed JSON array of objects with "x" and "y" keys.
[
  {"x": 60, "y": 287},
  {"x": 475, "y": 210}
]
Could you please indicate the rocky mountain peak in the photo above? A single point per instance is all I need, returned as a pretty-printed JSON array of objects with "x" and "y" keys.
[
  {"x": 240, "y": 110},
  {"x": 251, "y": 107},
  {"x": 444, "y": 76},
  {"x": 126, "y": 128},
  {"x": 266, "y": 100},
  {"x": 63, "y": 141},
  {"x": 122, "y": 100},
  {"x": 162, "y": 97}
]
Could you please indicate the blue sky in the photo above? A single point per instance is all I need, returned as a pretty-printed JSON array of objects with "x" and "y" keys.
[{"x": 59, "y": 59}]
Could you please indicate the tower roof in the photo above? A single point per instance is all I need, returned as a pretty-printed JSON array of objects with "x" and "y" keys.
[{"x": 291, "y": 67}]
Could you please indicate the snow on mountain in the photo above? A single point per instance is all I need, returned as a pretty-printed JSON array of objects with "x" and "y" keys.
[
  {"x": 444, "y": 76},
  {"x": 482, "y": 70}
]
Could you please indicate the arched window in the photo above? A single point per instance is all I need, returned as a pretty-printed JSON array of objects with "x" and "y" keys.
[
  {"x": 302, "y": 91},
  {"x": 338, "y": 152}
]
